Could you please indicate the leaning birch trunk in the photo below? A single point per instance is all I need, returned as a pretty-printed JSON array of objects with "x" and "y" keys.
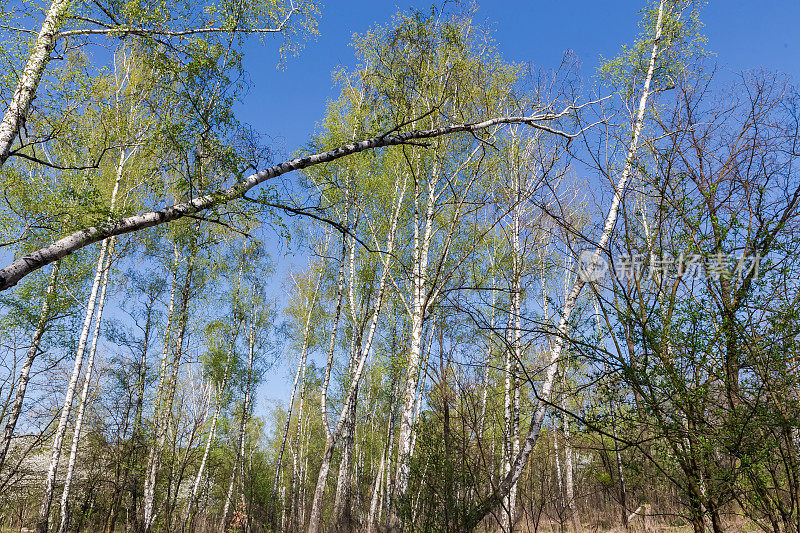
[
  {"x": 25, "y": 371},
  {"x": 24, "y": 94},
  {"x": 223, "y": 522},
  {"x": 569, "y": 304},
  {"x": 90, "y": 365},
  {"x": 21, "y": 267},
  {"x": 319, "y": 491},
  {"x": 386, "y": 495},
  {"x": 55, "y": 455},
  {"x": 87, "y": 381},
  {"x": 305, "y": 444}
]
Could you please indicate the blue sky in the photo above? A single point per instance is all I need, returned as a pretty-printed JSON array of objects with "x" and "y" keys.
[{"x": 286, "y": 104}]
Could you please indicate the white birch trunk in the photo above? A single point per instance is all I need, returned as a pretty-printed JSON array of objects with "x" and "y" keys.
[
  {"x": 245, "y": 410},
  {"x": 166, "y": 398},
  {"x": 569, "y": 481},
  {"x": 297, "y": 377},
  {"x": 418, "y": 407},
  {"x": 55, "y": 455},
  {"x": 198, "y": 478},
  {"x": 24, "y": 94},
  {"x": 11, "y": 274},
  {"x": 341, "y": 505},
  {"x": 123, "y": 155},
  {"x": 323, "y": 401},
  {"x": 557, "y": 452},
  {"x": 572, "y": 299},
  {"x": 152, "y": 460},
  {"x": 419, "y": 307},
  {"x": 376, "y": 491},
  {"x": 366, "y": 348},
  {"x": 512, "y": 361},
  {"x": 187, "y": 516},
  {"x": 87, "y": 381}
]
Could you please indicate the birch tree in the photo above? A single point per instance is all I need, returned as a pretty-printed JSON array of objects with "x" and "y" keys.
[
  {"x": 168, "y": 30},
  {"x": 658, "y": 43}
]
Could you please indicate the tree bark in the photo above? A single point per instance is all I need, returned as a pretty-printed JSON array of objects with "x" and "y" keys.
[
  {"x": 513, "y": 359},
  {"x": 569, "y": 481},
  {"x": 188, "y": 516},
  {"x": 546, "y": 390},
  {"x": 246, "y": 407},
  {"x": 24, "y": 94},
  {"x": 92, "y": 350},
  {"x": 342, "y": 504},
  {"x": 420, "y": 299},
  {"x": 151, "y": 468},
  {"x": 373, "y": 506},
  {"x": 297, "y": 377},
  {"x": 55, "y": 455},
  {"x": 87, "y": 381},
  {"x": 166, "y": 396},
  {"x": 386, "y": 257}
]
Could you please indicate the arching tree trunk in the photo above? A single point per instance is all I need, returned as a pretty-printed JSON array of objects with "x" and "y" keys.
[{"x": 546, "y": 390}]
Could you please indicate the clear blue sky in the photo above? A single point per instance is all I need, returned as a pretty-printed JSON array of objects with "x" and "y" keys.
[{"x": 287, "y": 104}]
